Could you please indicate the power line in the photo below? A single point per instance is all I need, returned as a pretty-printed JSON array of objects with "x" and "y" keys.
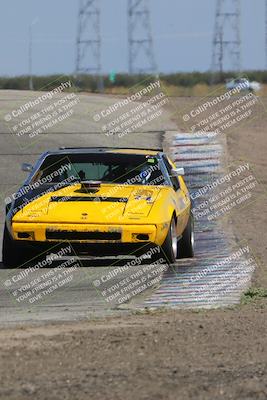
[
  {"x": 265, "y": 33},
  {"x": 30, "y": 58}
]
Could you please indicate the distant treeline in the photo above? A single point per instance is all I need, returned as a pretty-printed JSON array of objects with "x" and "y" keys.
[{"x": 91, "y": 83}]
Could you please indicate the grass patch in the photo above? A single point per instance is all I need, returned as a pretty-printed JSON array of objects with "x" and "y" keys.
[
  {"x": 195, "y": 84},
  {"x": 253, "y": 294}
]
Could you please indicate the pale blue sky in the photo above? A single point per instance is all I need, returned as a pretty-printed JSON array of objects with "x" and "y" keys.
[{"x": 182, "y": 31}]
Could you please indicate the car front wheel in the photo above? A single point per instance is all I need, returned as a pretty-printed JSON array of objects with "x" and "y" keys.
[
  {"x": 170, "y": 245},
  {"x": 13, "y": 254},
  {"x": 186, "y": 244}
]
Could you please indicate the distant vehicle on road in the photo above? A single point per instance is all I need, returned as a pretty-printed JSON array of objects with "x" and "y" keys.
[{"x": 244, "y": 85}]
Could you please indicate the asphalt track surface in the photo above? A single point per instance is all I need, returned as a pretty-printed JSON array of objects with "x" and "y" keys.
[
  {"x": 78, "y": 299},
  {"x": 188, "y": 283}
]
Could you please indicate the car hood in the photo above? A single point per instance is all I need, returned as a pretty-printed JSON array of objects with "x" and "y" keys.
[{"x": 108, "y": 203}]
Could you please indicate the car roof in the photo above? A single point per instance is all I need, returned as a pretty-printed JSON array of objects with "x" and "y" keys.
[{"x": 84, "y": 150}]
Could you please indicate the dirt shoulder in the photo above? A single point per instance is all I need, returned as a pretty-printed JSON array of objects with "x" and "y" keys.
[
  {"x": 167, "y": 355},
  {"x": 248, "y": 143}
]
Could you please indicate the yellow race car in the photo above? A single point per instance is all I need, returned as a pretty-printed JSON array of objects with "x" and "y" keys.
[{"x": 102, "y": 201}]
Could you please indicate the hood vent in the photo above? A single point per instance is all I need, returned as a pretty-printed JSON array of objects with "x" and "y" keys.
[{"x": 89, "y": 198}]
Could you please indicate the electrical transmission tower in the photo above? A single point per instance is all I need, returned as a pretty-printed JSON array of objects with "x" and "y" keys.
[
  {"x": 141, "y": 54},
  {"x": 226, "y": 52},
  {"x": 89, "y": 40}
]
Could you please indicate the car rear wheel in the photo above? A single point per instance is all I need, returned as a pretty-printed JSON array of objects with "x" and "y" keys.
[
  {"x": 170, "y": 245},
  {"x": 186, "y": 244}
]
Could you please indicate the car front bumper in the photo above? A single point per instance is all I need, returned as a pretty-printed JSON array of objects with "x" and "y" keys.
[{"x": 89, "y": 233}]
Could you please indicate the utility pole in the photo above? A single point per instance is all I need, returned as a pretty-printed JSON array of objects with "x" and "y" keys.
[
  {"x": 30, "y": 58},
  {"x": 227, "y": 39},
  {"x": 140, "y": 41},
  {"x": 265, "y": 33},
  {"x": 88, "y": 44}
]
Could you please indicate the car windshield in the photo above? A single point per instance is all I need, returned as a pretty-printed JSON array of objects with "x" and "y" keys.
[{"x": 110, "y": 167}]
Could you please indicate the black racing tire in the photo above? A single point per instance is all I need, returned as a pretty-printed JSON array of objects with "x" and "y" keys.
[
  {"x": 170, "y": 245},
  {"x": 14, "y": 254},
  {"x": 186, "y": 244}
]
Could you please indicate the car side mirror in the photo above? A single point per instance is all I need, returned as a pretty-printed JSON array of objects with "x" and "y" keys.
[
  {"x": 177, "y": 171},
  {"x": 26, "y": 167}
]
